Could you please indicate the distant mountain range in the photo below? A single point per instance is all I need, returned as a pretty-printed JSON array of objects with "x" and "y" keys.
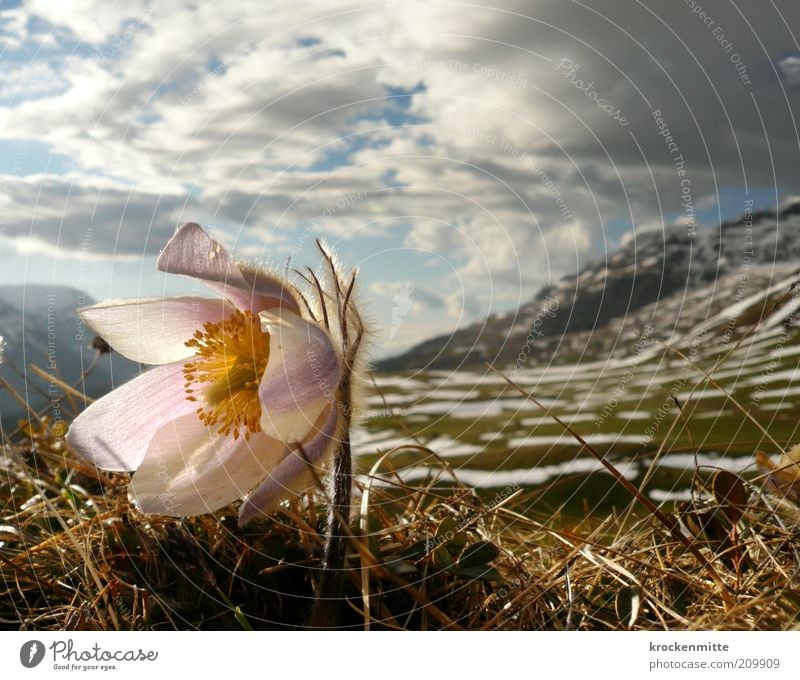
[
  {"x": 666, "y": 281},
  {"x": 39, "y": 326}
]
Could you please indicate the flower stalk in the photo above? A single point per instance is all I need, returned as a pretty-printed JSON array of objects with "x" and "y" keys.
[
  {"x": 329, "y": 590},
  {"x": 350, "y": 329}
]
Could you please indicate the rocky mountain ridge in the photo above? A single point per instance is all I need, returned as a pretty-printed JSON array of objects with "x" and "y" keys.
[{"x": 583, "y": 311}]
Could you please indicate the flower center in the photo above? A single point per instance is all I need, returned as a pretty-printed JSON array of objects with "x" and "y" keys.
[{"x": 230, "y": 358}]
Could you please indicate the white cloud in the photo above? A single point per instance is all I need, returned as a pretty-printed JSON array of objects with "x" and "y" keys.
[
  {"x": 31, "y": 80},
  {"x": 93, "y": 21},
  {"x": 33, "y": 245}
]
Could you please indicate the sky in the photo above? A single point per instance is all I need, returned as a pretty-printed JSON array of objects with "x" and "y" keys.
[{"x": 459, "y": 155}]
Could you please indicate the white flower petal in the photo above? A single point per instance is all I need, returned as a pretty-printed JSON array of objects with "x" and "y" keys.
[
  {"x": 301, "y": 377},
  {"x": 293, "y": 474},
  {"x": 115, "y": 431},
  {"x": 189, "y": 469},
  {"x": 154, "y": 330}
]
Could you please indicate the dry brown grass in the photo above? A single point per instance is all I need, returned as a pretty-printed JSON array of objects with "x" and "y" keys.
[{"x": 75, "y": 555}]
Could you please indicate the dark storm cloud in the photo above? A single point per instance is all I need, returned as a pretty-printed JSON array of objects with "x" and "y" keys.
[
  {"x": 96, "y": 219},
  {"x": 711, "y": 68}
]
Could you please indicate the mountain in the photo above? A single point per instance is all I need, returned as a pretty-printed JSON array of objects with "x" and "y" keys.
[
  {"x": 663, "y": 281},
  {"x": 39, "y": 325}
]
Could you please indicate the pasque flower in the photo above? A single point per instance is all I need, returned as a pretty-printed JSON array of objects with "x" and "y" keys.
[{"x": 246, "y": 396}]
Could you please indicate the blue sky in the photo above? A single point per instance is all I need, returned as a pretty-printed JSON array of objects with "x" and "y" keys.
[{"x": 428, "y": 142}]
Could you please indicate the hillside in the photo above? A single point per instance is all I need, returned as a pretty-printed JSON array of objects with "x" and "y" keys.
[
  {"x": 39, "y": 326},
  {"x": 583, "y": 314}
]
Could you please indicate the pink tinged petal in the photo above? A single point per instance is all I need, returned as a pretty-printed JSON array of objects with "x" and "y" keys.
[
  {"x": 192, "y": 252},
  {"x": 301, "y": 377},
  {"x": 115, "y": 431},
  {"x": 273, "y": 292},
  {"x": 154, "y": 330},
  {"x": 294, "y": 473},
  {"x": 190, "y": 469}
]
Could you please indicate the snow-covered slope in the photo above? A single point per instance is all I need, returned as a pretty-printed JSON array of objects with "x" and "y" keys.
[{"x": 660, "y": 283}]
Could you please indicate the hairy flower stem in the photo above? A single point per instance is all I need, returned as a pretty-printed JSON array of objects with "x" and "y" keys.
[
  {"x": 328, "y": 599},
  {"x": 327, "y": 603}
]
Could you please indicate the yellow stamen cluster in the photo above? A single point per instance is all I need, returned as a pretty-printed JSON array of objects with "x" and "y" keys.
[{"x": 230, "y": 358}]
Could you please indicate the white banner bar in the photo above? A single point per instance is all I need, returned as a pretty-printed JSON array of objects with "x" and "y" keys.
[{"x": 390, "y": 656}]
